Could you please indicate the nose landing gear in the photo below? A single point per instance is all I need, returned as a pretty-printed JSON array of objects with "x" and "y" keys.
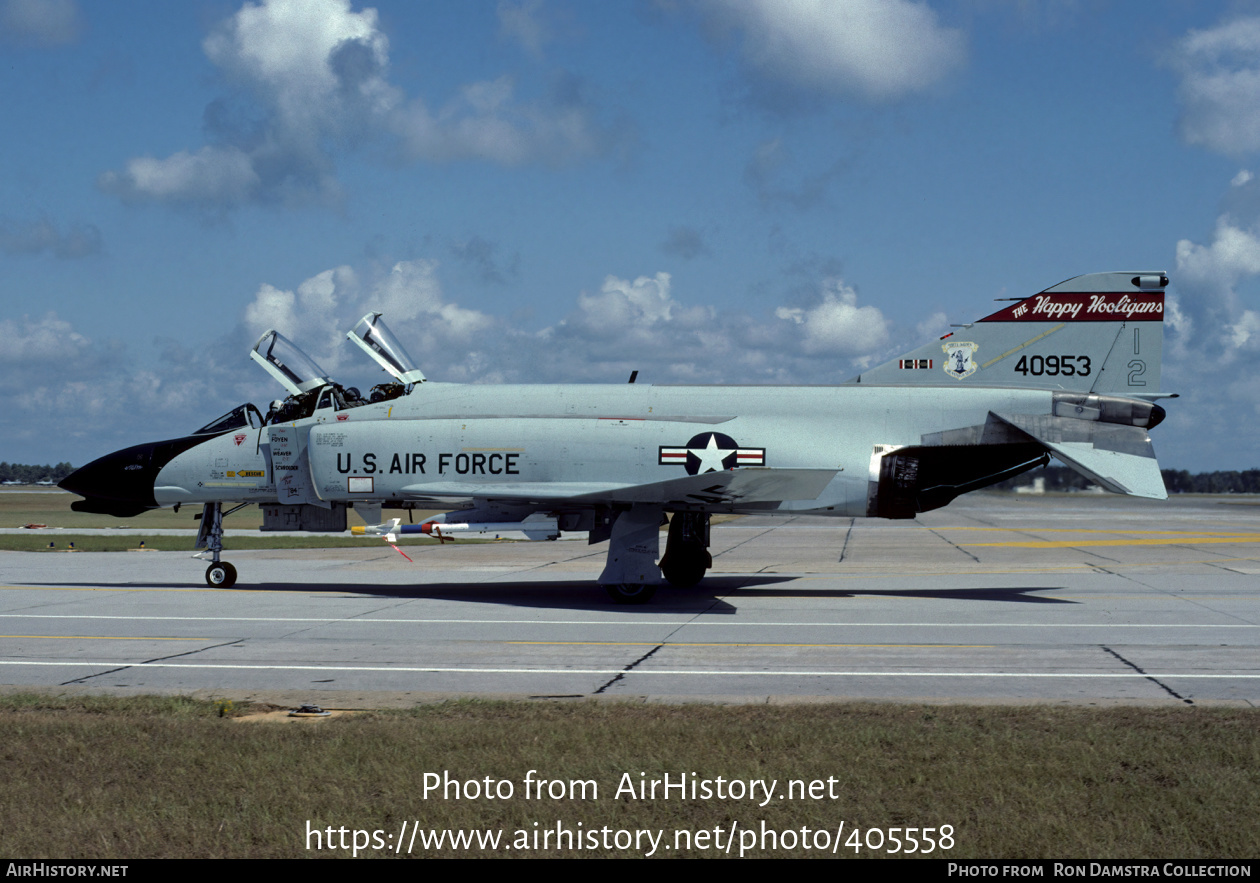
[{"x": 220, "y": 574}]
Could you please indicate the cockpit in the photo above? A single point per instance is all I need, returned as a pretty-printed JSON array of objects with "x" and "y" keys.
[{"x": 310, "y": 389}]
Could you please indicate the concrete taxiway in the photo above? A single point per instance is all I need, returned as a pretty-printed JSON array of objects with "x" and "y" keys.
[{"x": 996, "y": 598}]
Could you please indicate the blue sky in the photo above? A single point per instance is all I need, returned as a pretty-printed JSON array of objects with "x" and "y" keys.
[{"x": 778, "y": 191}]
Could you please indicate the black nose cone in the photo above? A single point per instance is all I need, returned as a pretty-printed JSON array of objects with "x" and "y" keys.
[{"x": 119, "y": 484}]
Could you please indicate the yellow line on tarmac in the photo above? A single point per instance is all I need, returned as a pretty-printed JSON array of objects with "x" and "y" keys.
[
  {"x": 1221, "y": 532},
  {"x": 1076, "y": 544},
  {"x": 734, "y": 644},
  {"x": 1158, "y": 533}
]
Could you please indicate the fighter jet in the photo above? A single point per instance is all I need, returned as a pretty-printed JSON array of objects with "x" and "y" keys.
[{"x": 1071, "y": 372}]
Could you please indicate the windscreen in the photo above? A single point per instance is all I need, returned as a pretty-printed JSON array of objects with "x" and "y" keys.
[{"x": 240, "y": 417}]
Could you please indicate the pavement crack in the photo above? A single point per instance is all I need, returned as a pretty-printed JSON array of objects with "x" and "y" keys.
[
  {"x": 1156, "y": 681},
  {"x": 629, "y": 668},
  {"x": 1220, "y": 565},
  {"x": 1180, "y": 596},
  {"x": 100, "y": 674},
  {"x": 544, "y": 565},
  {"x": 848, "y": 533},
  {"x": 940, "y": 536},
  {"x": 756, "y": 537},
  {"x": 1095, "y": 554},
  {"x": 625, "y": 671}
]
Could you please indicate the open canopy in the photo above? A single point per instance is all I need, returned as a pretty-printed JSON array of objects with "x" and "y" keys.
[
  {"x": 280, "y": 357},
  {"x": 374, "y": 338}
]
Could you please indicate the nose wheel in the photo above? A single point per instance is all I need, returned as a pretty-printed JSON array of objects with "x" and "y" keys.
[{"x": 221, "y": 575}]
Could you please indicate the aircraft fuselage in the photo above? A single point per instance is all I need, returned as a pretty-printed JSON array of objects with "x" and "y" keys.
[{"x": 454, "y": 442}]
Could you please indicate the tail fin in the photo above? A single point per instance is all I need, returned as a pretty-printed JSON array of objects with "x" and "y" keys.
[{"x": 1099, "y": 333}]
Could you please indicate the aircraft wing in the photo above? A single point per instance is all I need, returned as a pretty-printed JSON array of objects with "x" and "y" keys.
[
  {"x": 1119, "y": 458},
  {"x": 744, "y": 485}
]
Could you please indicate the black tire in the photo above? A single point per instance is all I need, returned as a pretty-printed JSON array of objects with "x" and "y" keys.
[
  {"x": 221, "y": 575},
  {"x": 630, "y": 593},
  {"x": 683, "y": 571},
  {"x": 686, "y": 558}
]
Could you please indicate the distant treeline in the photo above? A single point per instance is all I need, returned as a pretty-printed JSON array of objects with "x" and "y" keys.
[
  {"x": 31, "y": 474},
  {"x": 1177, "y": 481}
]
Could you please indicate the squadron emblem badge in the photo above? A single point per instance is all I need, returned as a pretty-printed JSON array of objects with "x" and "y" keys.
[{"x": 958, "y": 359}]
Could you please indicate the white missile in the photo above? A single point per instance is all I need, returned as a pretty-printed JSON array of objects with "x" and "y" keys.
[
  {"x": 538, "y": 529},
  {"x": 534, "y": 528}
]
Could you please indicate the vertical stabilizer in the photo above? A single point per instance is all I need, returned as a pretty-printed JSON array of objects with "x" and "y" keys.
[{"x": 1099, "y": 333}]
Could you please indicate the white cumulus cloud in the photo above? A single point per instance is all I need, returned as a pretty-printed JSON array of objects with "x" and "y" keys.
[
  {"x": 319, "y": 73},
  {"x": 213, "y": 175},
  {"x": 837, "y": 325},
  {"x": 317, "y": 314},
  {"x": 1220, "y": 86},
  {"x": 881, "y": 49}
]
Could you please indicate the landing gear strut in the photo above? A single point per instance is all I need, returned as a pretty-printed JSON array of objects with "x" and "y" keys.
[
  {"x": 686, "y": 550},
  {"x": 220, "y": 574},
  {"x": 630, "y": 575}
]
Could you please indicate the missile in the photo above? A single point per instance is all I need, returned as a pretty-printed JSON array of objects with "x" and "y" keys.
[
  {"x": 538, "y": 529},
  {"x": 534, "y": 529},
  {"x": 388, "y": 529}
]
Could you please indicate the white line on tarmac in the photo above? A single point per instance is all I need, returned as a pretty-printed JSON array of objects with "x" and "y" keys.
[
  {"x": 688, "y": 622},
  {"x": 621, "y": 670}
]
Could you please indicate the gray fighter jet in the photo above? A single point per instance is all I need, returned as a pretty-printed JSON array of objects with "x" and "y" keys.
[{"x": 1072, "y": 372}]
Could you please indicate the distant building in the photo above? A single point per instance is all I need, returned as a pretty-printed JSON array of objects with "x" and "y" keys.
[{"x": 1037, "y": 487}]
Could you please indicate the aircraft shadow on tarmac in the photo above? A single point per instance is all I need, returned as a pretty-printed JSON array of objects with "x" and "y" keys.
[
  {"x": 576, "y": 594},
  {"x": 714, "y": 595}
]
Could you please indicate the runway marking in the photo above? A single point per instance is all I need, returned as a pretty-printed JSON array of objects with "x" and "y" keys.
[
  {"x": 408, "y": 669},
  {"x": 740, "y": 644},
  {"x": 662, "y": 623}
]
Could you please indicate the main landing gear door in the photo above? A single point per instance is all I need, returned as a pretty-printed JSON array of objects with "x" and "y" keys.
[
  {"x": 294, "y": 369},
  {"x": 371, "y": 336}
]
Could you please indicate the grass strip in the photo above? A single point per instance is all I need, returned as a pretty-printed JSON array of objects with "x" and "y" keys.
[
  {"x": 100, "y": 777},
  {"x": 97, "y": 543}
]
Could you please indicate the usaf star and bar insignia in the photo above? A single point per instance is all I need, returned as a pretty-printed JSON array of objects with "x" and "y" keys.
[{"x": 711, "y": 452}]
